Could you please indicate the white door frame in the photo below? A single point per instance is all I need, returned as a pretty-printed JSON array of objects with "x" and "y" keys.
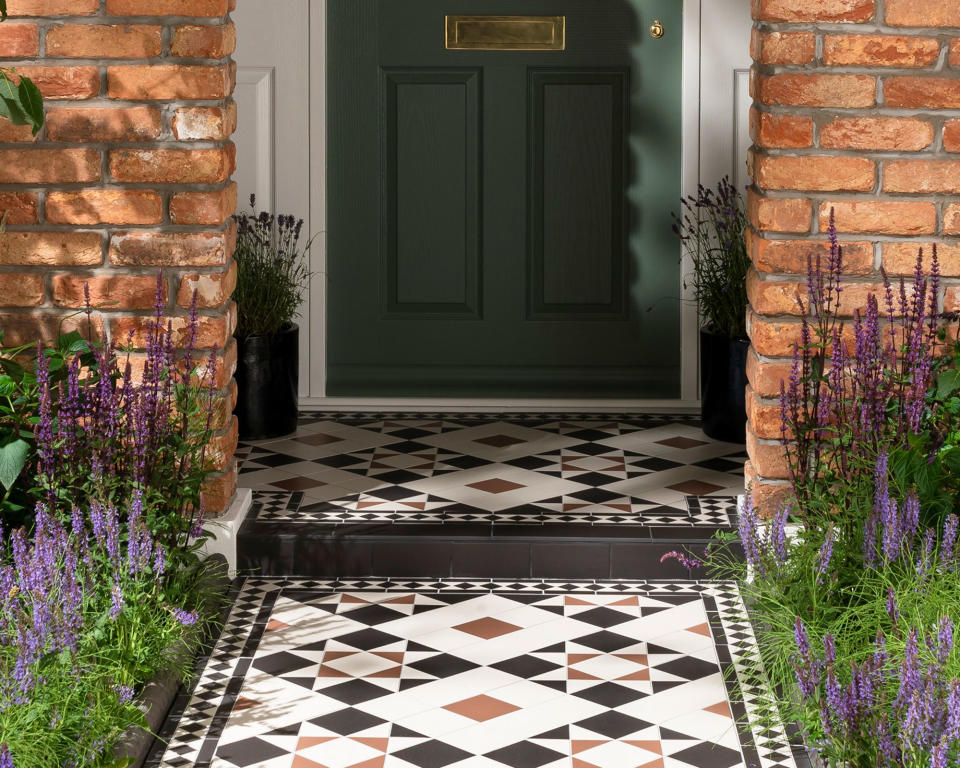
[{"x": 695, "y": 164}]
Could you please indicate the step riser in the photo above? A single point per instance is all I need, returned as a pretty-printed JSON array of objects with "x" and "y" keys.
[{"x": 315, "y": 557}]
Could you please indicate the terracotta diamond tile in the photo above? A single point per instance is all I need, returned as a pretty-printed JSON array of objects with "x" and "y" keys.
[
  {"x": 681, "y": 442},
  {"x": 500, "y": 441},
  {"x": 481, "y": 708},
  {"x": 487, "y": 628},
  {"x": 695, "y": 487},
  {"x": 495, "y": 485}
]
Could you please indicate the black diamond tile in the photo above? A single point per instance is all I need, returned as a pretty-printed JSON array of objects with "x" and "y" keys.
[
  {"x": 275, "y": 459},
  {"x": 443, "y": 665},
  {"x": 371, "y": 615},
  {"x": 281, "y": 663},
  {"x": 249, "y": 752},
  {"x": 367, "y": 639},
  {"x": 613, "y": 725},
  {"x": 432, "y": 754},
  {"x": 688, "y": 668},
  {"x": 526, "y": 667},
  {"x": 603, "y": 617},
  {"x": 607, "y": 642},
  {"x": 354, "y": 691},
  {"x": 706, "y": 755},
  {"x": 347, "y": 721},
  {"x": 610, "y": 695},
  {"x": 524, "y": 754}
]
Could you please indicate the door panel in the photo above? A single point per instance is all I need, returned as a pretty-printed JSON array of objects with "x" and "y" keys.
[
  {"x": 431, "y": 220},
  {"x": 499, "y": 220}
]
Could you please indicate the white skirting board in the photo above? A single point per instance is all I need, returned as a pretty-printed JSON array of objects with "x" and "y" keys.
[{"x": 226, "y": 528}]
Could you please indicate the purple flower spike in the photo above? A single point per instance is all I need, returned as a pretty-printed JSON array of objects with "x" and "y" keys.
[
  {"x": 687, "y": 561},
  {"x": 825, "y": 556},
  {"x": 186, "y": 618},
  {"x": 6, "y": 759}
]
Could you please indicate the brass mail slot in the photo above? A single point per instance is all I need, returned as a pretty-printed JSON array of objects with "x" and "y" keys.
[{"x": 506, "y": 33}]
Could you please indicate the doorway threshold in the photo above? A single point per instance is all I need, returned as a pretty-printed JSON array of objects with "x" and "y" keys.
[{"x": 496, "y": 405}]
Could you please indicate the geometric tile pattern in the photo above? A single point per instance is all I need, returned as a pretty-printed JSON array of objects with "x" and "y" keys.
[
  {"x": 429, "y": 674},
  {"x": 595, "y": 469}
]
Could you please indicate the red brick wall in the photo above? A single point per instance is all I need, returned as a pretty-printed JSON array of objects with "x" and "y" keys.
[
  {"x": 130, "y": 175},
  {"x": 855, "y": 108}
]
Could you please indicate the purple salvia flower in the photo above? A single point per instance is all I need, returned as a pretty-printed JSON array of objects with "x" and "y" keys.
[
  {"x": 778, "y": 535},
  {"x": 116, "y": 600},
  {"x": 6, "y": 759},
  {"x": 893, "y": 609},
  {"x": 825, "y": 556},
  {"x": 952, "y": 728},
  {"x": 748, "y": 529},
  {"x": 186, "y": 618},
  {"x": 687, "y": 561},
  {"x": 938, "y": 758},
  {"x": 948, "y": 547},
  {"x": 944, "y": 639}
]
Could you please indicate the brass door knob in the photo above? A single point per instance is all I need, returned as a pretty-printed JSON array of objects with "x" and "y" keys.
[{"x": 656, "y": 29}]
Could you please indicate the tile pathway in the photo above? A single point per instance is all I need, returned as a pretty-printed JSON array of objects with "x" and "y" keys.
[{"x": 475, "y": 673}]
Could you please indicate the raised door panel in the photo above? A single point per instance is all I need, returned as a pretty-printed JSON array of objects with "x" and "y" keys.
[
  {"x": 578, "y": 133},
  {"x": 431, "y": 221}
]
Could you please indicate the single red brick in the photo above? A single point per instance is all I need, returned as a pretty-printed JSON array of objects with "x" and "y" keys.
[
  {"x": 790, "y": 256},
  {"x": 901, "y": 258},
  {"x": 880, "y": 51},
  {"x": 212, "y": 331},
  {"x": 919, "y": 92},
  {"x": 89, "y": 207},
  {"x": 64, "y": 82},
  {"x": 18, "y": 207},
  {"x": 19, "y": 41},
  {"x": 21, "y": 289},
  {"x": 781, "y": 131},
  {"x": 923, "y": 13},
  {"x": 951, "y": 219},
  {"x": 86, "y": 124},
  {"x": 765, "y": 376},
  {"x": 783, "y": 48},
  {"x": 205, "y": 123},
  {"x": 52, "y": 7},
  {"x": 212, "y": 289},
  {"x": 169, "y": 82},
  {"x": 924, "y": 176},
  {"x": 812, "y": 10},
  {"x": 208, "y": 41},
  {"x": 106, "y": 291},
  {"x": 21, "y": 328},
  {"x": 49, "y": 166},
  {"x": 15, "y": 133},
  {"x": 821, "y": 174},
  {"x": 169, "y": 249},
  {"x": 777, "y": 214},
  {"x": 173, "y": 166},
  {"x": 881, "y": 217},
  {"x": 904, "y": 134},
  {"x": 51, "y": 249},
  {"x": 204, "y": 208},
  {"x": 951, "y": 136},
  {"x": 814, "y": 90},
  {"x": 104, "y": 41},
  {"x": 205, "y": 8}
]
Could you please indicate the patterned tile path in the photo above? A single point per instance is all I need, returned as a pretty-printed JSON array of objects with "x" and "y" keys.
[
  {"x": 529, "y": 674},
  {"x": 518, "y": 468}
]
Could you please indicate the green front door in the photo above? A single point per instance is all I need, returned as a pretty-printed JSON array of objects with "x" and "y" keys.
[{"x": 499, "y": 220}]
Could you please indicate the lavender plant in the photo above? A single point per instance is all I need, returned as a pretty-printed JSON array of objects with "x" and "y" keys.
[
  {"x": 712, "y": 227},
  {"x": 272, "y": 271}
]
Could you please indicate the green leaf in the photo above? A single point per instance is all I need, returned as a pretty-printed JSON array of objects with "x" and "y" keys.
[
  {"x": 948, "y": 382},
  {"x": 31, "y": 102},
  {"x": 3, "y": 10},
  {"x": 13, "y": 458}
]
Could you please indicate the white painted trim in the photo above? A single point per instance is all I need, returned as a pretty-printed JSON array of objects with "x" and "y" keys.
[
  {"x": 690, "y": 172},
  {"x": 226, "y": 528}
]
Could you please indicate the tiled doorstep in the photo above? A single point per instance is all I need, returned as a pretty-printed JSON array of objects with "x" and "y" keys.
[{"x": 482, "y": 674}]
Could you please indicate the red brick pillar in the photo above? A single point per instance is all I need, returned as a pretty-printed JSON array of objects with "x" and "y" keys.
[
  {"x": 130, "y": 175},
  {"x": 855, "y": 105}
]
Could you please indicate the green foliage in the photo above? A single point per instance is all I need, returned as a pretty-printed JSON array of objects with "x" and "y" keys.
[
  {"x": 19, "y": 403},
  {"x": 20, "y": 99},
  {"x": 272, "y": 272}
]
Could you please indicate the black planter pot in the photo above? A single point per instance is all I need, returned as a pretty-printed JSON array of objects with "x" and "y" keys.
[
  {"x": 267, "y": 381},
  {"x": 723, "y": 384}
]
